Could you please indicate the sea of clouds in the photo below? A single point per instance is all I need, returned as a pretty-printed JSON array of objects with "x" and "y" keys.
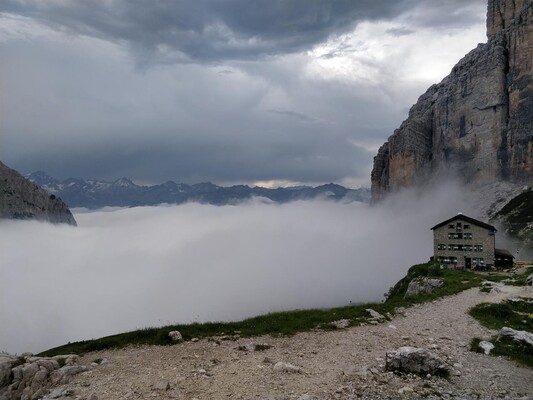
[{"x": 150, "y": 266}]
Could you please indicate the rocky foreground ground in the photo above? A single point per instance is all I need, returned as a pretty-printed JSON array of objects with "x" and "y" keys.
[{"x": 342, "y": 364}]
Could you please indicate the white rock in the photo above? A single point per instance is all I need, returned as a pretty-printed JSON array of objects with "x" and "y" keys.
[
  {"x": 66, "y": 373},
  {"x": 286, "y": 367},
  {"x": 175, "y": 336},
  {"x": 60, "y": 393},
  {"x": 486, "y": 346},
  {"x": 341, "y": 323},
  {"x": 374, "y": 314},
  {"x": 6, "y": 363},
  {"x": 519, "y": 336},
  {"x": 422, "y": 285}
]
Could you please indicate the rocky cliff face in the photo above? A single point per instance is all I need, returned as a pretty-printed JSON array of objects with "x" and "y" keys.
[
  {"x": 23, "y": 199},
  {"x": 477, "y": 124}
]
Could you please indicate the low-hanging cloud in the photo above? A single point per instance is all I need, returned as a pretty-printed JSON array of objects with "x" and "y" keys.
[{"x": 149, "y": 266}]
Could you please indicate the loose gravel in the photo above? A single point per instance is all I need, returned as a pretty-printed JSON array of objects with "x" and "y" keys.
[{"x": 341, "y": 364}]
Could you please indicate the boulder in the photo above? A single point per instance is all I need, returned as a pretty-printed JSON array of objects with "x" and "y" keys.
[
  {"x": 519, "y": 336},
  {"x": 341, "y": 323},
  {"x": 30, "y": 377},
  {"x": 175, "y": 336},
  {"x": 66, "y": 373},
  {"x": 6, "y": 364},
  {"x": 415, "y": 360},
  {"x": 422, "y": 285},
  {"x": 375, "y": 315},
  {"x": 486, "y": 346}
]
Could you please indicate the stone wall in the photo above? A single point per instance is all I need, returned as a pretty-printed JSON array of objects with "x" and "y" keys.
[{"x": 477, "y": 124}]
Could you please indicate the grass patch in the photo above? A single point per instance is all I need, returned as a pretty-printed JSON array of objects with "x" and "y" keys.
[
  {"x": 275, "y": 324},
  {"x": 520, "y": 279},
  {"x": 286, "y": 323},
  {"x": 517, "y": 315},
  {"x": 474, "y": 345},
  {"x": 518, "y": 351},
  {"x": 455, "y": 281},
  {"x": 496, "y": 316}
]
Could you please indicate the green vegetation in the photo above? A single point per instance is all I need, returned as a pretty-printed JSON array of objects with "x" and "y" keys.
[
  {"x": 517, "y": 315},
  {"x": 520, "y": 209},
  {"x": 455, "y": 281},
  {"x": 61, "y": 361},
  {"x": 290, "y": 322},
  {"x": 497, "y": 315},
  {"x": 517, "y": 216}
]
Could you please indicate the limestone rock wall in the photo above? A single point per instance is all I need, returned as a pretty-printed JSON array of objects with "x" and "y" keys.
[
  {"x": 477, "y": 124},
  {"x": 23, "y": 199}
]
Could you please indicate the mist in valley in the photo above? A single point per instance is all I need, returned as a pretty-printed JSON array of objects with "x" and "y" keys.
[{"x": 125, "y": 269}]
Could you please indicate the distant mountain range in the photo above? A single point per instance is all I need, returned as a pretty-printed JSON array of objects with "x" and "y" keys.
[{"x": 123, "y": 192}]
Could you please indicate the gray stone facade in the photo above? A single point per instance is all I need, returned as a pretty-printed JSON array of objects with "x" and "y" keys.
[{"x": 463, "y": 242}]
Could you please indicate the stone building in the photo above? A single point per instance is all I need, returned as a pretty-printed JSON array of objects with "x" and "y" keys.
[{"x": 464, "y": 242}]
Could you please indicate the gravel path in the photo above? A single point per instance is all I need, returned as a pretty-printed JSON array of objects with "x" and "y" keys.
[{"x": 342, "y": 364}]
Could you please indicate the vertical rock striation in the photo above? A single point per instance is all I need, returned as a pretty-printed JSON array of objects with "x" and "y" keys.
[
  {"x": 477, "y": 124},
  {"x": 23, "y": 199}
]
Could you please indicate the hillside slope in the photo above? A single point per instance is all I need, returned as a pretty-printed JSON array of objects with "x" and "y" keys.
[{"x": 23, "y": 199}]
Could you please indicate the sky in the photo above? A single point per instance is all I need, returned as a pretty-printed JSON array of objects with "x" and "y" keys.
[
  {"x": 275, "y": 92},
  {"x": 126, "y": 269}
]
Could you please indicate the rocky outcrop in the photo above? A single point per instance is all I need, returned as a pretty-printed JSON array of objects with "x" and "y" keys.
[
  {"x": 27, "y": 377},
  {"x": 23, "y": 199},
  {"x": 519, "y": 336},
  {"x": 416, "y": 361},
  {"x": 477, "y": 124},
  {"x": 422, "y": 285}
]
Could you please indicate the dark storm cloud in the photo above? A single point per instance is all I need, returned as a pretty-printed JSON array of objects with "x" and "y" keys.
[
  {"x": 211, "y": 31},
  {"x": 226, "y": 91}
]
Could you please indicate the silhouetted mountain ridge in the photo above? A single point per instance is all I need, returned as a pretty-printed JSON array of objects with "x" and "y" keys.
[{"x": 92, "y": 194}]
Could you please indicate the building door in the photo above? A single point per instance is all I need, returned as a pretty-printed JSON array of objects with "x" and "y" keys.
[{"x": 468, "y": 262}]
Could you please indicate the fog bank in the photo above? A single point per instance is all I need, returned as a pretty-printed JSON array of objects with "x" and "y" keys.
[{"x": 149, "y": 266}]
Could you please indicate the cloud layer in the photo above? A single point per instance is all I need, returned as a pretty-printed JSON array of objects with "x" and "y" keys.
[{"x": 149, "y": 266}]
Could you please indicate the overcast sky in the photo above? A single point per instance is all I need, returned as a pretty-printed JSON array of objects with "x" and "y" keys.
[{"x": 233, "y": 91}]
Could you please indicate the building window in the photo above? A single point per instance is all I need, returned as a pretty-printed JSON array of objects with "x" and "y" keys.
[
  {"x": 441, "y": 247},
  {"x": 447, "y": 260},
  {"x": 466, "y": 226},
  {"x": 478, "y": 247},
  {"x": 467, "y": 235},
  {"x": 455, "y": 235},
  {"x": 467, "y": 247},
  {"x": 459, "y": 226},
  {"x": 451, "y": 226},
  {"x": 478, "y": 261}
]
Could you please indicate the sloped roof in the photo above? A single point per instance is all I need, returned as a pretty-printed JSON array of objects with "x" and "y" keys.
[
  {"x": 463, "y": 217},
  {"x": 503, "y": 252}
]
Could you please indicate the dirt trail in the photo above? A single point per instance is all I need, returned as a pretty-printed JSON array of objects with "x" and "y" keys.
[{"x": 342, "y": 364}]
